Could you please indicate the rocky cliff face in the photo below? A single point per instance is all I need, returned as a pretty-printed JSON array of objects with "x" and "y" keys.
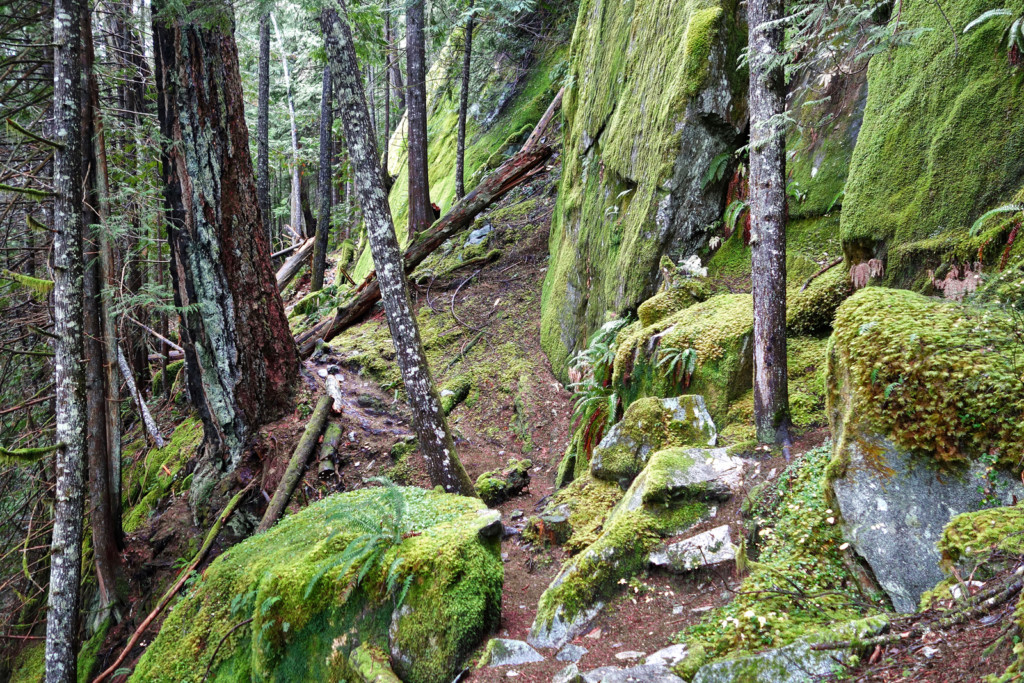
[{"x": 653, "y": 98}]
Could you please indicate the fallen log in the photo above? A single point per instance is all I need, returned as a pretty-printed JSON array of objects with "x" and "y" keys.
[
  {"x": 542, "y": 125},
  {"x": 147, "y": 418},
  {"x": 291, "y": 266},
  {"x": 292, "y": 475},
  {"x": 513, "y": 172}
]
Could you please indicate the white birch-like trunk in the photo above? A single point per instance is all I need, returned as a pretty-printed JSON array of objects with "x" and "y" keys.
[{"x": 296, "y": 201}]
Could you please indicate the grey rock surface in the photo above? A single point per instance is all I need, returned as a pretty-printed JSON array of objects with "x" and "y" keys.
[
  {"x": 571, "y": 653},
  {"x": 668, "y": 656},
  {"x": 705, "y": 549},
  {"x": 505, "y": 652},
  {"x": 645, "y": 673}
]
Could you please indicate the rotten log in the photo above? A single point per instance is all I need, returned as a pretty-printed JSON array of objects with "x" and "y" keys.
[
  {"x": 291, "y": 266},
  {"x": 147, "y": 418},
  {"x": 542, "y": 125},
  {"x": 296, "y": 466},
  {"x": 329, "y": 449},
  {"x": 513, "y": 172}
]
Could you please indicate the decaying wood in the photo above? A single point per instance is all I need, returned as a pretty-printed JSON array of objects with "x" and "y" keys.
[
  {"x": 329, "y": 448},
  {"x": 291, "y": 266},
  {"x": 211, "y": 536},
  {"x": 147, "y": 418},
  {"x": 492, "y": 188},
  {"x": 292, "y": 475},
  {"x": 542, "y": 125}
]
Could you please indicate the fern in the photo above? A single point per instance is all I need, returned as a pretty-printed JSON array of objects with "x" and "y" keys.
[
  {"x": 39, "y": 287},
  {"x": 681, "y": 363},
  {"x": 716, "y": 170},
  {"x": 985, "y": 17},
  {"x": 733, "y": 213},
  {"x": 1013, "y": 35},
  {"x": 380, "y": 526},
  {"x": 1006, "y": 208}
]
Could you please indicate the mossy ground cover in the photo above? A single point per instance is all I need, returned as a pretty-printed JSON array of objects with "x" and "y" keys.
[
  {"x": 936, "y": 376},
  {"x": 941, "y": 141},
  {"x": 304, "y": 629},
  {"x": 796, "y": 578}
]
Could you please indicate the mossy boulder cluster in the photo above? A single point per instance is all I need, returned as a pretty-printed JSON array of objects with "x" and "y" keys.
[
  {"x": 659, "y": 454},
  {"x": 425, "y": 603}
]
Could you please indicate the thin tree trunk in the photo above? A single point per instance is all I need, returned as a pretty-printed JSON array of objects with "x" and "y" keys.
[
  {"x": 443, "y": 465},
  {"x": 104, "y": 426},
  {"x": 421, "y": 215},
  {"x": 240, "y": 357},
  {"x": 69, "y": 373},
  {"x": 460, "y": 152},
  {"x": 140, "y": 403},
  {"x": 296, "y": 170},
  {"x": 263, "y": 128},
  {"x": 387, "y": 88},
  {"x": 323, "y": 223},
  {"x": 768, "y": 222},
  {"x": 395, "y": 68}
]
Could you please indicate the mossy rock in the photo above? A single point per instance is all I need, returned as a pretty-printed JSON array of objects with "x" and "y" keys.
[
  {"x": 939, "y": 145},
  {"x": 650, "y": 425},
  {"x": 720, "y": 330},
  {"x": 814, "y": 309},
  {"x": 30, "y": 664},
  {"x": 638, "y": 139},
  {"x": 306, "y": 629},
  {"x": 683, "y": 295},
  {"x": 497, "y": 486}
]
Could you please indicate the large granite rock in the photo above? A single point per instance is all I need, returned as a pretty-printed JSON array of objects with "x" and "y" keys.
[
  {"x": 645, "y": 673},
  {"x": 506, "y": 652},
  {"x": 894, "y": 507},
  {"x": 705, "y": 549}
]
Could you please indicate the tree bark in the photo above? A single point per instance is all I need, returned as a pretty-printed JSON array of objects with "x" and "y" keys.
[
  {"x": 290, "y": 267},
  {"x": 323, "y": 223},
  {"x": 492, "y": 188},
  {"x": 296, "y": 169},
  {"x": 421, "y": 215},
  {"x": 443, "y": 465},
  {"x": 460, "y": 151},
  {"x": 395, "y": 68},
  {"x": 240, "y": 357},
  {"x": 69, "y": 373},
  {"x": 768, "y": 219},
  {"x": 140, "y": 403},
  {"x": 263, "y": 128}
]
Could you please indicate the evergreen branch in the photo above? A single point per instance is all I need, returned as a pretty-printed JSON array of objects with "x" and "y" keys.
[
  {"x": 29, "y": 191},
  {"x": 25, "y": 456},
  {"x": 39, "y": 287},
  {"x": 11, "y": 123}
]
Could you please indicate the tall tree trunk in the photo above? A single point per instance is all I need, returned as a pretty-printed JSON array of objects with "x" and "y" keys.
[
  {"x": 435, "y": 438},
  {"x": 323, "y": 222},
  {"x": 421, "y": 215},
  {"x": 768, "y": 219},
  {"x": 387, "y": 88},
  {"x": 240, "y": 356},
  {"x": 296, "y": 169},
  {"x": 69, "y": 373},
  {"x": 102, "y": 400},
  {"x": 263, "y": 128},
  {"x": 395, "y": 64},
  {"x": 460, "y": 152}
]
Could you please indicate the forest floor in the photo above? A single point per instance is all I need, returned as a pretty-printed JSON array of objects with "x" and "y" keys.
[{"x": 483, "y": 329}]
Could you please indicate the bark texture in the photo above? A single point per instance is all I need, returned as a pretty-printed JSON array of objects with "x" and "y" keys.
[
  {"x": 460, "y": 151},
  {"x": 323, "y": 223},
  {"x": 443, "y": 465},
  {"x": 239, "y": 352},
  {"x": 768, "y": 219},
  {"x": 296, "y": 168},
  {"x": 421, "y": 215},
  {"x": 263, "y": 128},
  {"x": 69, "y": 373}
]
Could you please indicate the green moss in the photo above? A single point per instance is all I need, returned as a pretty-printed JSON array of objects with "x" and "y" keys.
[
  {"x": 941, "y": 141},
  {"x": 588, "y": 501},
  {"x": 30, "y": 664},
  {"x": 807, "y": 364},
  {"x": 929, "y": 373},
  {"x": 305, "y": 630},
  {"x": 796, "y": 546},
  {"x": 630, "y": 83},
  {"x": 689, "y": 292},
  {"x": 147, "y": 480},
  {"x": 974, "y": 535},
  {"x": 497, "y": 486},
  {"x": 719, "y": 329},
  {"x": 172, "y": 372},
  {"x": 814, "y": 309}
]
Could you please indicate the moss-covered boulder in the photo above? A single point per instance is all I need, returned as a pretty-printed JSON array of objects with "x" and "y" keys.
[
  {"x": 647, "y": 110},
  {"x": 655, "y": 361},
  {"x": 310, "y": 615},
  {"x": 672, "y": 300},
  {"x": 672, "y": 493},
  {"x": 922, "y": 405},
  {"x": 497, "y": 486},
  {"x": 940, "y": 144},
  {"x": 650, "y": 425},
  {"x": 813, "y": 309}
]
